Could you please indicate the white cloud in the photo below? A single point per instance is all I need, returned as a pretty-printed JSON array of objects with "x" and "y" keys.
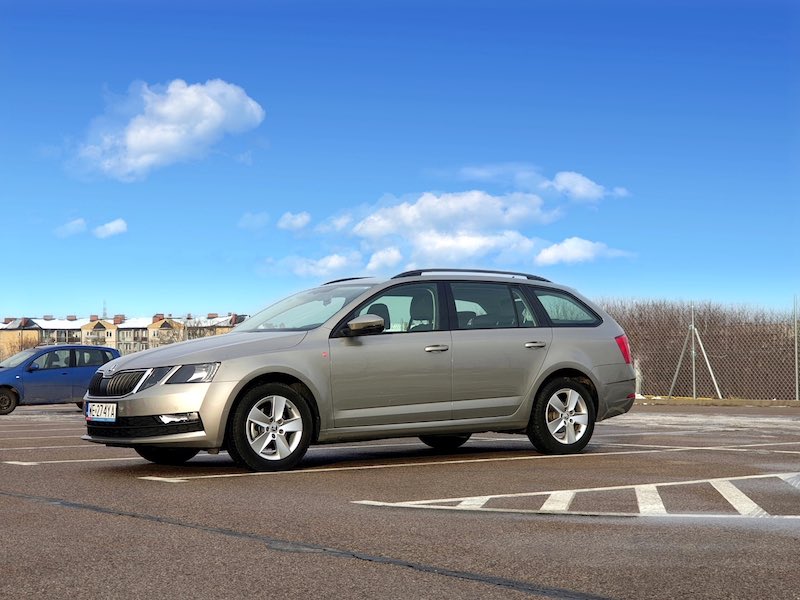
[
  {"x": 576, "y": 186},
  {"x": 575, "y": 250},
  {"x": 325, "y": 266},
  {"x": 253, "y": 221},
  {"x": 521, "y": 175},
  {"x": 294, "y": 222},
  {"x": 73, "y": 227},
  {"x": 175, "y": 123},
  {"x": 114, "y": 227},
  {"x": 620, "y": 192},
  {"x": 440, "y": 247},
  {"x": 335, "y": 224},
  {"x": 471, "y": 211},
  {"x": 468, "y": 229},
  {"x": 383, "y": 259}
]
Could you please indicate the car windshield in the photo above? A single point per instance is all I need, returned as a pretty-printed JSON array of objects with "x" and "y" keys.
[
  {"x": 304, "y": 311},
  {"x": 18, "y": 358}
]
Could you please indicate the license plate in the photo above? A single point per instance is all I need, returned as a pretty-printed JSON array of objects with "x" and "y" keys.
[{"x": 101, "y": 411}]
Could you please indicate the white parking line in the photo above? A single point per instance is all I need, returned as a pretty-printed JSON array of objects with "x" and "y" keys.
[
  {"x": 738, "y": 499},
  {"x": 648, "y": 499},
  {"x": 98, "y": 446},
  {"x": 22, "y": 463},
  {"x": 476, "y": 502},
  {"x": 558, "y": 501},
  {"x": 41, "y": 430},
  {"x": 405, "y": 465},
  {"x": 41, "y": 437}
]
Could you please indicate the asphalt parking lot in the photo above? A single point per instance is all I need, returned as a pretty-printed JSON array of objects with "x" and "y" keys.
[{"x": 666, "y": 502}]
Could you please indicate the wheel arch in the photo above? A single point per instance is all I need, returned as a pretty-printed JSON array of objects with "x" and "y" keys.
[
  {"x": 571, "y": 373},
  {"x": 275, "y": 377},
  {"x": 12, "y": 389}
]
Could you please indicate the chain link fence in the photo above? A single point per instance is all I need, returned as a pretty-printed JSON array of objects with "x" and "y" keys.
[{"x": 711, "y": 350}]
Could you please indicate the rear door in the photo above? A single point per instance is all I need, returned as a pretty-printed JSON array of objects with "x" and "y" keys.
[
  {"x": 402, "y": 375},
  {"x": 86, "y": 361},
  {"x": 499, "y": 346}
]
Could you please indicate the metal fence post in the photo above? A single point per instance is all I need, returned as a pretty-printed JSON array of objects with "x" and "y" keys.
[{"x": 796, "y": 364}]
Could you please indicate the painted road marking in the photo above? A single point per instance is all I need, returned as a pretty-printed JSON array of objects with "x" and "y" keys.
[
  {"x": 41, "y": 430},
  {"x": 23, "y": 463},
  {"x": 738, "y": 499},
  {"x": 647, "y": 496},
  {"x": 649, "y": 500},
  {"x": 82, "y": 446},
  {"x": 558, "y": 501},
  {"x": 405, "y": 465},
  {"x": 476, "y": 502},
  {"x": 645, "y": 450},
  {"x": 41, "y": 437}
]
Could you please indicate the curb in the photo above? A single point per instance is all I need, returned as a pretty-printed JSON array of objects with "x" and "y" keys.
[{"x": 688, "y": 401}]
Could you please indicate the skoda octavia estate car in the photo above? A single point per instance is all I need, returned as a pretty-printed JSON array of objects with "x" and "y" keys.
[
  {"x": 438, "y": 354},
  {"x": 50, "y": 374}
]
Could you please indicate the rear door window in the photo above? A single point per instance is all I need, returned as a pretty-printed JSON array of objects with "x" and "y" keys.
[
  {"x": 490, "y": 306},
  {"x": 565, "y": 310}
]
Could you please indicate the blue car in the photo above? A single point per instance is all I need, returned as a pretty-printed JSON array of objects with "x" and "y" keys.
[{"x": 50, "y": 374}]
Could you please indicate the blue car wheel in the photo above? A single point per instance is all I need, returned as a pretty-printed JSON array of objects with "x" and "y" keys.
[{"x": 8, "y": 401}]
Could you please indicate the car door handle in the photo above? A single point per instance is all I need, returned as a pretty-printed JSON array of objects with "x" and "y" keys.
[
  {"x": 535, "y": 344},
  {"x": 437, "y": 348}
]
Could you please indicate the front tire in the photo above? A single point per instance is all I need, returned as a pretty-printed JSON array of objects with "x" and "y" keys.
[
  {"x": 562, "y": 418},
  {"x": 445, "y": 442},
  {"x": 166, "y": 456},
  {"x": 270, "y": 428},
  {"x": 8, "y": 401}
]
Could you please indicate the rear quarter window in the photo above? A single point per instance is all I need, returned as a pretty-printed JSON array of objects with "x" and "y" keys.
[{"x": 565, "y": 310}]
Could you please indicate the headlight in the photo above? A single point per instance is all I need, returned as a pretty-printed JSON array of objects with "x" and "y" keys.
[
  {"x": 194, "y": 373},
  {"x": 155, "y": 376}
]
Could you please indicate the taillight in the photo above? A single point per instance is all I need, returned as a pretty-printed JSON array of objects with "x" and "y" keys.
[{"x": 624, "y": 347}]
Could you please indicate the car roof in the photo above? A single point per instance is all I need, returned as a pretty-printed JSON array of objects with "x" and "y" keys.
[{"x": 73, "y": 346}]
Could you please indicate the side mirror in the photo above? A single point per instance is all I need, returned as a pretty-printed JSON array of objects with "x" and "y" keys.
[
  {"x": 365, "y": 325},
  {"x": 33, "y": 367}
]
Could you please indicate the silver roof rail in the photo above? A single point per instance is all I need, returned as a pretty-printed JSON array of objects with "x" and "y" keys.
[{"x": 418, "y": 272}]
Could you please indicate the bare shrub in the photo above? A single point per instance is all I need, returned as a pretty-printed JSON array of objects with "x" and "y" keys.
[{"x": 751, "y": 349}]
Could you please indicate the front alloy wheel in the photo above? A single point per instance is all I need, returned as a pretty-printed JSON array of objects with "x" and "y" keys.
[
  {"x": 562, "y": 419},
  {"x": 271, "y": 428},
  {"x": 8, "y": 401}
]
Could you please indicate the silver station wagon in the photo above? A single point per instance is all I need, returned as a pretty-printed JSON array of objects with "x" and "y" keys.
[{"x": 435, "y": 353}]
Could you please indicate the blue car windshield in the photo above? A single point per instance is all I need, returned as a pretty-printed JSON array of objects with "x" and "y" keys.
[
  {"x": 18, "y": 358},
  {"x": 306, "y": 310}
]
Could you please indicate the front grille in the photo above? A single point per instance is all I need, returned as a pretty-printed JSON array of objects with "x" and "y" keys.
[
  {"x": 135, "y": 427},
  {"x": 116, "y": 385}
]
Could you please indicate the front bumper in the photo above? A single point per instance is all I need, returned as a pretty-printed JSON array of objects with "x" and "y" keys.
[{"x": 137, "y": 421}]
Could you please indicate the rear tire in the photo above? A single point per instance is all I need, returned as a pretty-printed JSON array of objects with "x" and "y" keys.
[
  {"x": 445, "y": 442},
  {"x": 270, "y": 428},
  {"x": 166, "y": 456},
  {"x": 562, "y": 418},
  {"x": 8, "y": 401},
  {"x": 79, "y": 405}
]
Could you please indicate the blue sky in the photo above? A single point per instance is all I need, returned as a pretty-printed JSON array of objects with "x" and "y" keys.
[{"x": 198, "y": 158}]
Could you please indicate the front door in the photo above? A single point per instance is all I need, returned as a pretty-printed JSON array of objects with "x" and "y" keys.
[
  {"x": 403, "y": 375},
  {"x": 48, "y": 378}
]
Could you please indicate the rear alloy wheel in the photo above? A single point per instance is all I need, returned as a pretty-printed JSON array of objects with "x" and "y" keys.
[
  {"x": 8, "y": 401},
  {"x": 166, "y": 456},
  {"x": 270, "y": 428},
  {"x": 445, "y": 442},
  {"x": 562, "y": 419}
]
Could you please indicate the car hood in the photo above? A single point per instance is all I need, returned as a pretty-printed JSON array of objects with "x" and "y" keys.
[{"x": 211, "y": 349}]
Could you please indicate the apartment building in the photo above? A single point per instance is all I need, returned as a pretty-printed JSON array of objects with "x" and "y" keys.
[{"x": 124, "y": 334}]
